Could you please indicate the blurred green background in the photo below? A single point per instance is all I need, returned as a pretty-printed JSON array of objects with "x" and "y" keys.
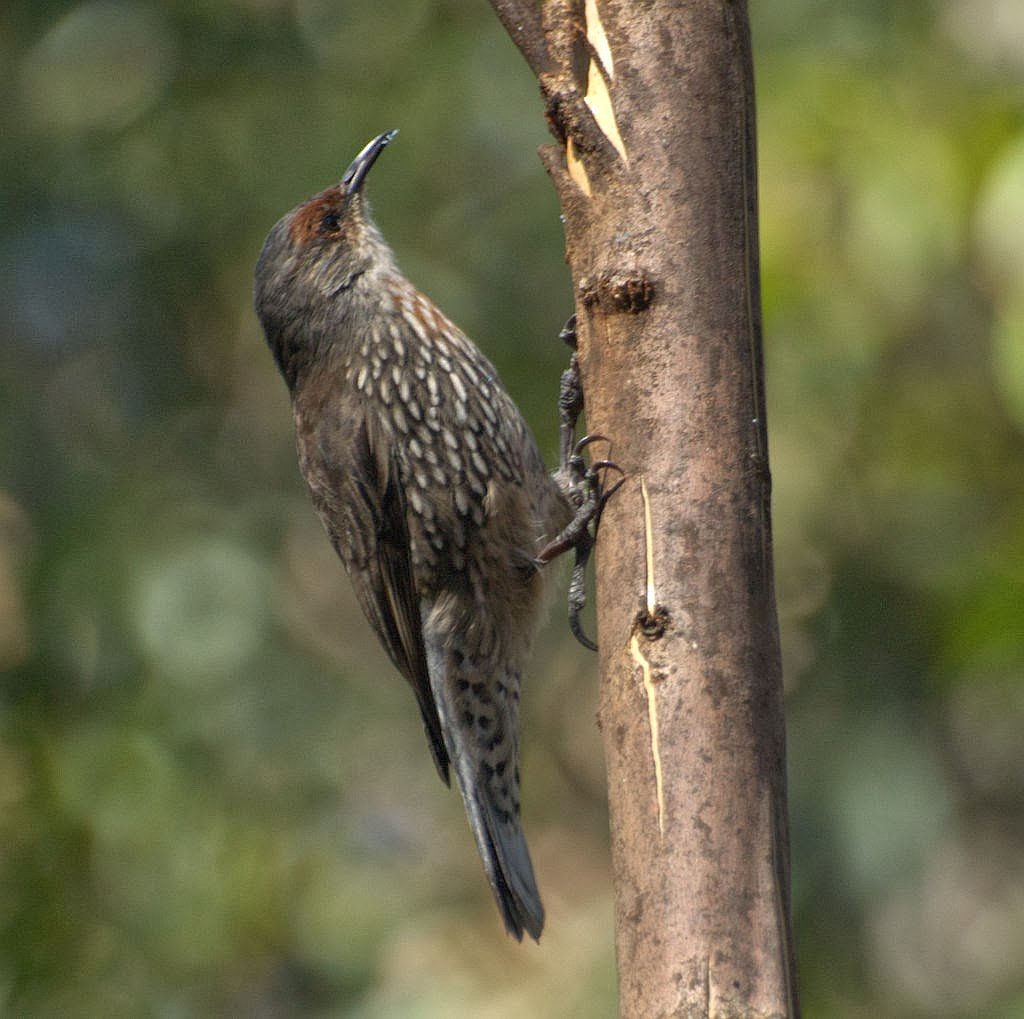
[{"x": 215, "y": 793}]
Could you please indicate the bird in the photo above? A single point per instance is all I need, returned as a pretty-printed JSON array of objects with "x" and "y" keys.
[{"x": 433, "y": 493}]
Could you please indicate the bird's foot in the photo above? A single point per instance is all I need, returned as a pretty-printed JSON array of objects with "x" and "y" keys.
[{"x": 583, "y": 487}]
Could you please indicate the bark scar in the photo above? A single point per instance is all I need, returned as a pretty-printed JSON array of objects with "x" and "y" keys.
[
  {"x": 650, "y": 687},
  {"x": 652, "y": 601},
  {"x": 600, "y": 75},
  {"x": 597, "y": 98},
  {"x": 618, "y": 290},
  {"x": 653, "y": 619},
  {"x": 652, "y": 716}
]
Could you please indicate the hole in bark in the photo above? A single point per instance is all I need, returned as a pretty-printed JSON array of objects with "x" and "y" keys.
[{"x": 653, "y": 624}]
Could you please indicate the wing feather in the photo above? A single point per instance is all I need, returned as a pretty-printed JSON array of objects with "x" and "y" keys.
[{"x": 358, "y": 491}]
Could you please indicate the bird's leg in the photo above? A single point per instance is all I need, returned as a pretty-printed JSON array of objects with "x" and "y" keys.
[
  {"x": 581, "y": 486},
  {"x": 570, "y": 398}
]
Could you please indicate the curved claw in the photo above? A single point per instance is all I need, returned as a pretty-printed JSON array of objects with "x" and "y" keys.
[
  {"x": 607, "y": 494},
  {"x": 587, "y": 440},
  {"x": 578, "y": 593},
  {"x": 577, "y": 631},
  {"x": 576, "y": 627},
  {"x": 606, "y": 465}
]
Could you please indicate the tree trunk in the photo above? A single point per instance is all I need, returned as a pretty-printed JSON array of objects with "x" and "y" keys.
[{"x": 653, "y": 107}]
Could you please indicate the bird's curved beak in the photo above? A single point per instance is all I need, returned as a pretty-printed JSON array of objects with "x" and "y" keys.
[{"x": 360, "y": 166}]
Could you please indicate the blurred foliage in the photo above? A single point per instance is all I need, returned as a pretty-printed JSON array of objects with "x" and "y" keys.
[{"x": 215, "y": 795}]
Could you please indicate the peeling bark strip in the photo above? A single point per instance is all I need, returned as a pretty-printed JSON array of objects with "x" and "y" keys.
[{"x": 652, "y": 107}]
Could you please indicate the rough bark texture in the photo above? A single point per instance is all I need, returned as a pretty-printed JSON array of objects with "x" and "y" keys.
[{"x": 653, "y": 106}]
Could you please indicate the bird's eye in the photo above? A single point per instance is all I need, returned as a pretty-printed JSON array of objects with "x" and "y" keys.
[{"x": 330, "y": 223}]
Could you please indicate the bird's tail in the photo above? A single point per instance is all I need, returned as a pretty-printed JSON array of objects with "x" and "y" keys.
[
  {"x": 480, "y": 722},
  {"x": 506, "y": 859}
]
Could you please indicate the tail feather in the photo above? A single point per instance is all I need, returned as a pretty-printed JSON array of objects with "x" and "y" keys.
[
  {"x": 506, "y": 860},
  {"x": 484, "y": 758}
]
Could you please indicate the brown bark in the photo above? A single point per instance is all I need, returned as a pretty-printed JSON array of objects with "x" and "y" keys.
[{"x": 653, "y": 106}]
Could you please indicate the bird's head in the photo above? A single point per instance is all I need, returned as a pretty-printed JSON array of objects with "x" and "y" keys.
[{"x": 317, "y": 260}]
